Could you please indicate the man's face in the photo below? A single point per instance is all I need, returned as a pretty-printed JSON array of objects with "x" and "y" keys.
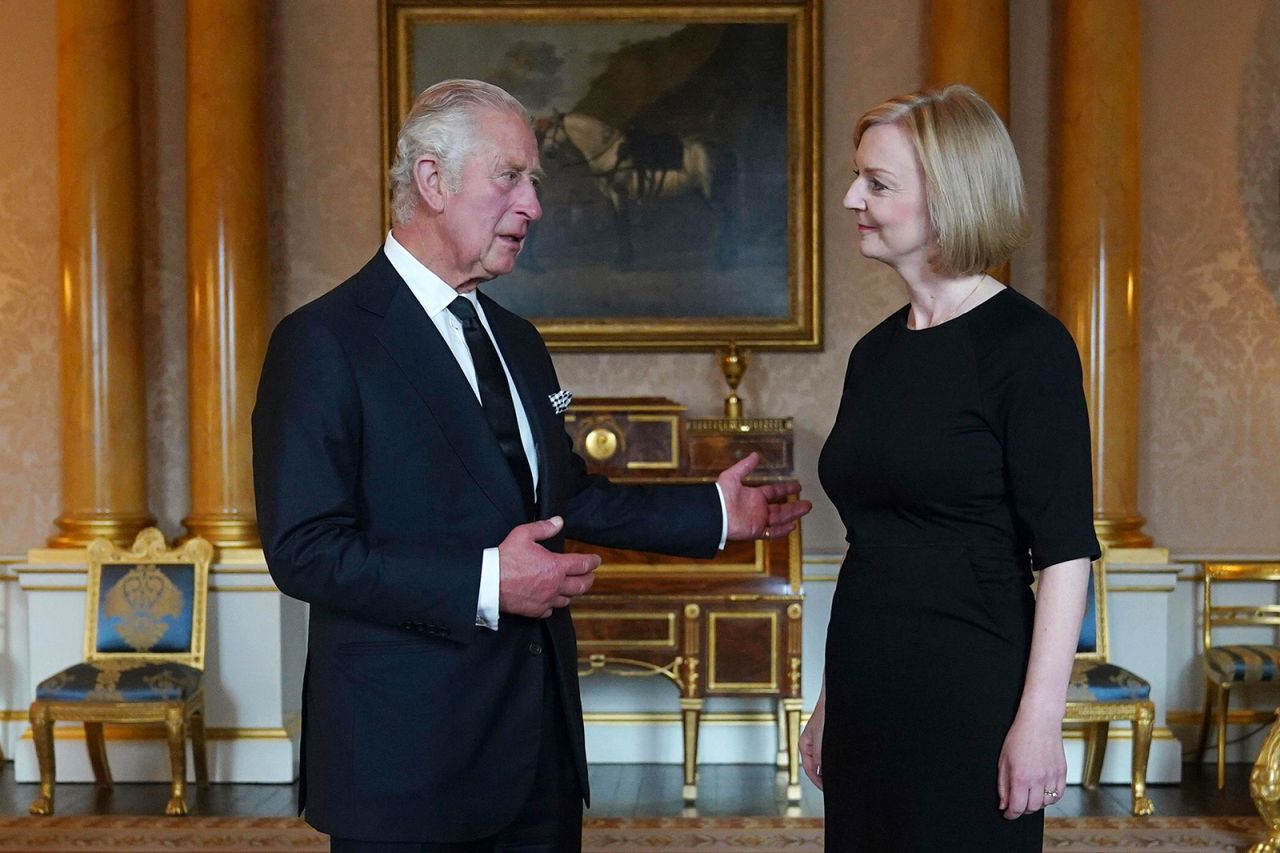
[{"x": 485, "y": 223}]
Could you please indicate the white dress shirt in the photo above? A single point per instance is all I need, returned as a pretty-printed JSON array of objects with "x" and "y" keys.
[{"x": 434, "y": 295}]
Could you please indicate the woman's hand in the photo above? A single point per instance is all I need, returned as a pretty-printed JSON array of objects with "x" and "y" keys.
[
  {"x": 811, "y": 741},
  {"x": 1032, "y": 772},
  {"x": 1033, "y": 765}
]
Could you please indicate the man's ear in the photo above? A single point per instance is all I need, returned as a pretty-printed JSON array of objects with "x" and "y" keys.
[{"x": 429, "y": 182}]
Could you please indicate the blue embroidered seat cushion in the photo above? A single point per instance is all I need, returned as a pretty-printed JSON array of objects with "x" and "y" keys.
[
  {"x": 121, "y": 681},
  {"x": 1098, "y": 681},
  {"x": 1243, "y": 663}
]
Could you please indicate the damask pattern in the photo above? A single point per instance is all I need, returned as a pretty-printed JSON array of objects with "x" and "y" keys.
[
  {"x": 1210, "y": 243},
  {"x": 1211, "y": 277},
  {"x": 29, "y": 461}
]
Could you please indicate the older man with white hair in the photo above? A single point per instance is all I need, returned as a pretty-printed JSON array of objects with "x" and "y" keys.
[{"x": 415, "y": 484}]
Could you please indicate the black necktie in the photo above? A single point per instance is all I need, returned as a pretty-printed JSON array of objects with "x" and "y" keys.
[{"x": 495, "y": 397}]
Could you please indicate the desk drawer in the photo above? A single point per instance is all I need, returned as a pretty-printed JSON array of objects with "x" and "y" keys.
[{"x": 618, "y": 629}]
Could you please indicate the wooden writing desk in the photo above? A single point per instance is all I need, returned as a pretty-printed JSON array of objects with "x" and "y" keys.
[{"x": 727, "y": 626}]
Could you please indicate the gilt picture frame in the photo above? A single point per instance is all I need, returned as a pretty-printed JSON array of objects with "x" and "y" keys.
[{"x": 680, "y": 206}]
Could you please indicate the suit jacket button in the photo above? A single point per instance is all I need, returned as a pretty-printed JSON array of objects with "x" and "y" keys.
[{"x": 535, "y": 649}]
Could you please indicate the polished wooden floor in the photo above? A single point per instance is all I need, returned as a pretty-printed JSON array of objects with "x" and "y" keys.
[{"x": 630, "y": 790}]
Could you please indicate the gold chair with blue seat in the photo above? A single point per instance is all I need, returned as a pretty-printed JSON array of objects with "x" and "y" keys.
[
  {"x": 1101, "y": 693},
  {"x": 1231, "y": 665},
  {"x": 143, "y": 660}
]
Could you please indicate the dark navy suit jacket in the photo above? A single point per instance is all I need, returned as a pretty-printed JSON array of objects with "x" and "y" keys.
[{"x": 379, "y": 484}]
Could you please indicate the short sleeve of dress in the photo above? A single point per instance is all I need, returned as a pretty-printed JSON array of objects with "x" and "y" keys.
[{"x": 1048, "y": 451}]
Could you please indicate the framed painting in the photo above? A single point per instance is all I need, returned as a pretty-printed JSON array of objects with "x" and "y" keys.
[{"x": 679, "y": 142}]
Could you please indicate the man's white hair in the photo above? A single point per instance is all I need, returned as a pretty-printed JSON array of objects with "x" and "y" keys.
[{"x": 440, "y": 126}]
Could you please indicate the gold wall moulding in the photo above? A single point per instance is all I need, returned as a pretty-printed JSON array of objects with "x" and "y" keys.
[
  {"x": 78, "y": 529},
  {"x": 1121, "y": 531},
  {"x": 226, "y": 530}
]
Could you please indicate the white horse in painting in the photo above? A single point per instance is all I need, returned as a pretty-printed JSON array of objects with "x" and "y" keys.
[{"x": 633, "y": 167}]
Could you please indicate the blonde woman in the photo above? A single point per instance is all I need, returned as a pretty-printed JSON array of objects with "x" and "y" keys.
[{"x": 959, "y": 462}]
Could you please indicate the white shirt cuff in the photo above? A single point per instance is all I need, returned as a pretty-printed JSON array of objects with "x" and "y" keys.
[
  {"x": 724, "y": 518},
  {"x": 487, "y": 606}
]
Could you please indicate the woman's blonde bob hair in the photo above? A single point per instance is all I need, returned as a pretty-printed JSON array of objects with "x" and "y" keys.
[{"x": 973, "y": 185}]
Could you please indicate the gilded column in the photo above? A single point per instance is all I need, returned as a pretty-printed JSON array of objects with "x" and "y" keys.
[
  {"x": 226, "y": 262},
  {"x": 969, "y": 43},
  {"x": 1098, "y": 240},
  {"x": 103, "y": 416}
]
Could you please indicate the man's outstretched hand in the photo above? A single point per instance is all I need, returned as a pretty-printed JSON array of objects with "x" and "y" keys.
[{"x": 759, "y": 512}]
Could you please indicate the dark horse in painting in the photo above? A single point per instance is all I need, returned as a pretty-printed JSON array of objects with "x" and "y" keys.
[{"x": 635, "y": 167}]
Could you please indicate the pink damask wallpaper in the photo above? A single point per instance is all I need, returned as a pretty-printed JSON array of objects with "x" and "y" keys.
[
  {"x": 1211, "y": 232},
  {"x": 1211, "y": 275},
  {"x": 29, "y": 468}
]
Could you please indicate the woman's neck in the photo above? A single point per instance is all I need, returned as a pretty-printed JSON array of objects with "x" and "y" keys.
[{"x": 936, "y": 298}]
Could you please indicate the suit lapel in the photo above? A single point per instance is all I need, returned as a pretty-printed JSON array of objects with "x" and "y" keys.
[
  {"x": 536, "y": 405},
  {"x": 415, "y": 344}
]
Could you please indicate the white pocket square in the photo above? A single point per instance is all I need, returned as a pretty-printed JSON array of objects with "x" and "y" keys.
[{"x": 560, "y": 401}]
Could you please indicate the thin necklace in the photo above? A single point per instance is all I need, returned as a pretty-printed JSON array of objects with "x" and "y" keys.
[{"x": 955, "y": 312}]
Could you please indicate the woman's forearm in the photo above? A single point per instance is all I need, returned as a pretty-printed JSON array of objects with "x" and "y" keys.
[{"x": 1060, "y": 605}]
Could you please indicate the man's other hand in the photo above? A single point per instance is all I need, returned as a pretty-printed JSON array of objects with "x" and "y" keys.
[
  {"x": 532, "y": 580},
  {"x": 759, "y": 512}
]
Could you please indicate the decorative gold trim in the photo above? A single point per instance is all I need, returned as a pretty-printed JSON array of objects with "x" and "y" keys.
[
  {"x": 577, "y": 408},
  {"x": 54, "y": 588},
  {"x": 648, "y": 570},
  {"x": 821, "y": 578},
  {"x": 13, "y": 716},
  {"x": 215, "y": 570},
  {"x": 721, "y": 718},
  {"x": 52, "y": 570},
  {"x": 745, "y": 686},
  {"x": 674, "y": 462},
  {"x": 1127, "y": 588},
  {"x": 1157, "y": 733},
  {"x": 634, "y": 616},
  {"x": 632, "y": 668},
  {"x": 1238, "y": 717},
  {"x": 243, "y": 589},
  {"x": 707, "y": 598},
  {"x": 716, "y": 426}
]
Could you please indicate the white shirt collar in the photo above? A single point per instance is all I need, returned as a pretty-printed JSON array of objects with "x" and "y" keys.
[{"x": 429, "y": 289}]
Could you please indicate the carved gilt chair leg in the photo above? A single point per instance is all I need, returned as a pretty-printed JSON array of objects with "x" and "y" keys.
[
  {"x": 1143, "y": 722},
  {"x": 1264, "y": 787},
  {"x": 1095, "y": 752},
  {"x": 97, "y": 746},
  {"x": 42, "y": 734},
  {"x": 198, "y": 754},
  {"x": 1224, "y": 701},
  {"x": 175, "y": 726},
  {"x": 1210, "y": 689}
]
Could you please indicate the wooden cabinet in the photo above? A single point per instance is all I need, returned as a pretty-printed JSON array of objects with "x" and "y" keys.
[{"x": 727, "y": 626}]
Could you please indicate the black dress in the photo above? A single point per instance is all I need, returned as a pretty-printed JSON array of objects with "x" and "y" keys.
[{"x": 959, "y": 461}]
